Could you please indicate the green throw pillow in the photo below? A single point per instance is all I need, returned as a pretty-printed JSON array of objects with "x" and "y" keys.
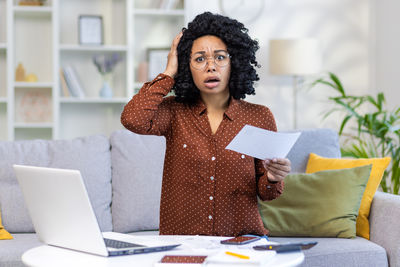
[{"x": 320, "y": 204}]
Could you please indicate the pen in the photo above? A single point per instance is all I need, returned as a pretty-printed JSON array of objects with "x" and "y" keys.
[{"x": 237, "y": 255}]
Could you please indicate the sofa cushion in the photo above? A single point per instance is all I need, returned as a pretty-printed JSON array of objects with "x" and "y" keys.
[
  {"x": 90, "y": 155},
  {"x": 137, "y": 162},
  {"x": 322, "y": 204},
  {"x": 333, "y": 252},
  {"x": 324, "y": 142},
  {"x": 318, "y": 163},
  {"x": 132, "y": 169},
  {"x": 12, "y": 250}
]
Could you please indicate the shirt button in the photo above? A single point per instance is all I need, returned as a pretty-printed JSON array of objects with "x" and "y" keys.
[
  {"x": 268, "y": 186},
  {"x": 184, "y": 145},
  {"x": 210, "y": 217},
  {"x": 243, "y": 156},
  {"x": 211, "y": 198},
  {"x": 212, "y": 178},
  {"x": 212, "y": 158}
]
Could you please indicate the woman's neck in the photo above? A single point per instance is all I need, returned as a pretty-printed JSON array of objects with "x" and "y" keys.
[{"x": 216, "y": 103}]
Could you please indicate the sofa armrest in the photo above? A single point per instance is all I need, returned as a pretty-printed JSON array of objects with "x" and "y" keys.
[{"x": 384, "y": 225}]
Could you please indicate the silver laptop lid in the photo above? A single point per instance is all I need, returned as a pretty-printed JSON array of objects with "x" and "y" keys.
[{"x": 60, "y": 208}]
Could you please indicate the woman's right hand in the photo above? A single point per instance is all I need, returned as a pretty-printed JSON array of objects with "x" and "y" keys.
[{"x": 172, "y": 64}]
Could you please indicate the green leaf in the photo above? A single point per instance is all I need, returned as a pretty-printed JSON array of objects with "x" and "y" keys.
[
  {"x": 384, "y": 185},
  {"x": 381, "y": 100},
  {"x": 345, "y": 120},
  {"x": 373, "y": 102},
  {"x": 336, "y": 80},
  {"x": 347, "y": 108},
  {"x": 321, "y": 81}
]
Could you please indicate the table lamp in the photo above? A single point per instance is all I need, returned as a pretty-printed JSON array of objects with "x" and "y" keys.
[{"x": 297, "y": 58}]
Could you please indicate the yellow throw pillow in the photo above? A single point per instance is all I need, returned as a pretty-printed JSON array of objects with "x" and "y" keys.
[
  {"x": 3, "y": 233},
  {"x": 317, "y": 163}
]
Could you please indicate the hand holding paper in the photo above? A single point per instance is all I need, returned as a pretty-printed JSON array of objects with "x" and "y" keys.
[{"x": 262, "y": 144}]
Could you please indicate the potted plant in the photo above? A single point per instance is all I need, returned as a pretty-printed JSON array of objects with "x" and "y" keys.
[{"x": 368, "y": 128}]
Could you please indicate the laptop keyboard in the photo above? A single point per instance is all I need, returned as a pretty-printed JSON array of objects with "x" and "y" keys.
[{"x": 119, "y": 244}]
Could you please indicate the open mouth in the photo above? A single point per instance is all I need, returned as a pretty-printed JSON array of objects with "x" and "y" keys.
[{"x": 212, "y": 82}]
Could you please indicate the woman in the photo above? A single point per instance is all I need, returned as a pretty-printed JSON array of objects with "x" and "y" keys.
[{"x": 207, "y": 189}]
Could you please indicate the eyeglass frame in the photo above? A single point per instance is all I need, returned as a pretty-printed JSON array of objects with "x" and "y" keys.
[{"x": 208, "y": 58}]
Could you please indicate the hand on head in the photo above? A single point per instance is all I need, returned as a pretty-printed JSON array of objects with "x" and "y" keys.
[
  {"x": 277, "y": 169},
  {"x": 172, "y": 64}
]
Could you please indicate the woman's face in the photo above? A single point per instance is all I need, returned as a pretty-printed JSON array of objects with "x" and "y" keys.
[{"x": 210, "y": 65}]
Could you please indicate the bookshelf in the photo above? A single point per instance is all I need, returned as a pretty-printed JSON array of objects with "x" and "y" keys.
[
  {"x": 158, "y": 12},
  {"x": 154, "y": 28},
  {"x": 4, "y": 128},
  {"x": 108, "y": 48},
  {"x": 33, "y": 85},
  {"x": 33, "y": 125},
  {"x": 130, "y": 29},
  {"x": 32, "y": 10}
]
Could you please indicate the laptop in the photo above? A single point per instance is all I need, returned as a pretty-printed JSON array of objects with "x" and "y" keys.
[{"x": 62, "y": 215}]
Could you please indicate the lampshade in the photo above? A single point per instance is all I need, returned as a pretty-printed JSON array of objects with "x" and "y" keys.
[{"x": 294, "y": 56}]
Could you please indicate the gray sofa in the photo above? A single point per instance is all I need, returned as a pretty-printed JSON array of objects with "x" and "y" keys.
[{"x": 123, "y": 178}]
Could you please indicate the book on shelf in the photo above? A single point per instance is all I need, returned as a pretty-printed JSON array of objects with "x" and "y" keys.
[
  {"x": 63, "y": 85},
  {"x": 73, "y": 82}
]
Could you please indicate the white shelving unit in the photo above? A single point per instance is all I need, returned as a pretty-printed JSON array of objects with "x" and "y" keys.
[
  {"x": 3, "y": 71},
  {"x": 158, "y": 12},
  {"x": 29, "y": 36},
  {"x": 103, "y": 48},
  {"x": 29, "y": 10},
  {"x": 33, "y": 85},
  {"x": 45, "y": 39},
  {"x": 33, "y": 125},
  {"x": 154, "y": 28},
  {"x": 92, "y": 114},
  {"x": 93, "y": 100}
]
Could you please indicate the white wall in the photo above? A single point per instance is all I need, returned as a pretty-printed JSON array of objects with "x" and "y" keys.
[
  {"x": 387, "y": 56},
  {"x": 342, "y": 26}
]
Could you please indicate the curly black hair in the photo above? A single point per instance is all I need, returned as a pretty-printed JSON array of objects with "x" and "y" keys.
[{"x": 240, "y": 46}]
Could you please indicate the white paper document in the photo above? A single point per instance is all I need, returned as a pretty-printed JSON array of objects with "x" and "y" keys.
[{"x": 263, "y": 144}]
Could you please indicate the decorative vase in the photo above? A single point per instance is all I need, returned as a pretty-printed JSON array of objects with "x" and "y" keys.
[{"x": 106, "y": 90}]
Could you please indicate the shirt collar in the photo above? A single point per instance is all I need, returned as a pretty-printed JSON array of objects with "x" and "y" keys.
[
  {"x": 200, "y": 108},
  {"x": 233, "y": 109}
]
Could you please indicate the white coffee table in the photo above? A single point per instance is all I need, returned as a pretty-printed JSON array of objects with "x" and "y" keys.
[{"x": 49, "y": 256}]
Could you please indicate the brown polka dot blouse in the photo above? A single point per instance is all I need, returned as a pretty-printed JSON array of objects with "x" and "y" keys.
[{"x": 206, "y": 189}]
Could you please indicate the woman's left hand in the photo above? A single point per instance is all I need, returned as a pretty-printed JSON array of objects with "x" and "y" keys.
[{"x": 277, "y": 169}]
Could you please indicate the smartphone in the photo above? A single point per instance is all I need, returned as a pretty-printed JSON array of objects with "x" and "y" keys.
[
  {"x": 240, "y": 240},
  {"x": 183, "y": 259},
  {"x": 287, "y": 247}
]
